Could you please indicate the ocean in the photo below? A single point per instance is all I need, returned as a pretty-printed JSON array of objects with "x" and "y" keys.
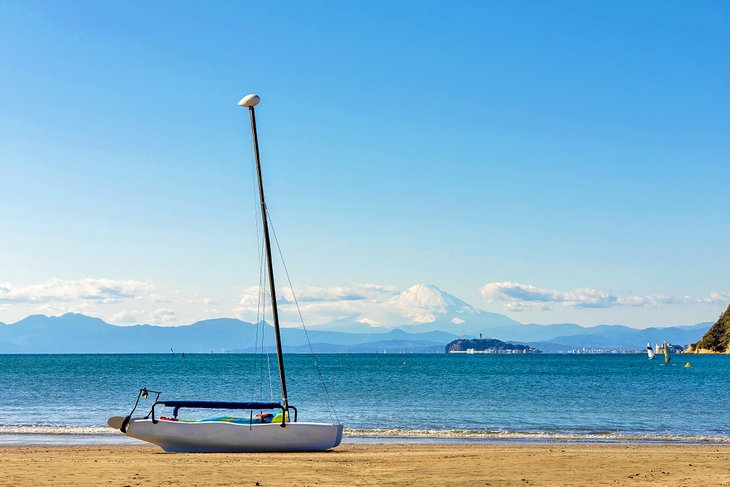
[{"x": 65, "y": 399}]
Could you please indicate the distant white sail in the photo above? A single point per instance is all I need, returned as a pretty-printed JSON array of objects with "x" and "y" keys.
[{"x": 649, "y": 351}]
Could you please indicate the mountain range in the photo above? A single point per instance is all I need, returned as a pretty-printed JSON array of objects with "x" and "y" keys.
[{"x": 421, "y": 319}]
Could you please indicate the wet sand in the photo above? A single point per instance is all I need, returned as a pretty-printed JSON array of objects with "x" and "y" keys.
[{"x": 372, "y": 464}]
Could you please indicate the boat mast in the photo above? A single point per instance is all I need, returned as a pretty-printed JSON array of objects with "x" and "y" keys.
[{"x": 251, "y": 101}]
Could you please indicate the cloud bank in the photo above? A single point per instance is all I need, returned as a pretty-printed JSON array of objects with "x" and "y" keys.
[
  {"x": 527, "y": 297},
  {"x": 123, "y": 302},
  {"x": 318, "y": 304},
  {"x": 126, "y": 302},
  {"x": 98, "y": 291}
]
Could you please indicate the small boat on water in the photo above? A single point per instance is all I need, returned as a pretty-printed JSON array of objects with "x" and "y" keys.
[
  {"x": 264, "y": 432},
  {"x": 663, "y": 349},
  {"x": 649, "y": 352}
]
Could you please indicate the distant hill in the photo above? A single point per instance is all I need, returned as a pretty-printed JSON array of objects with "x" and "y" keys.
[{"x": 717, "y": 338}]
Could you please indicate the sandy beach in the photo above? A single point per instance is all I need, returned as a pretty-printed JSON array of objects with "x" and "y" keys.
[{"x": 376, "y": 464}]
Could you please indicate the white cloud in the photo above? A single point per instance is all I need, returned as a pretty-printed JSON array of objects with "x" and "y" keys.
[
  {"x": 720, "y": 298},
  {"x": 249, "y": 301},
  {"x": 126, "y": 317},
  {"x": 322, "y": 305},
  {"x": 97, "y": 291},
  {"x": 526, "y": 297},
  {"x": 164, "y": 316},
  {"x": 318, "y": 304},
  {"x": 157, "y": 316},
  {"x": 54, "y": 309},
  {"x": 354, "y": 292},
  {"x": 193, "y": 300},
  {"x": 526, "y": 306}
]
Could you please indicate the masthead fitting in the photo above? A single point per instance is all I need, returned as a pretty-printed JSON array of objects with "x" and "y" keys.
[{"x": 249, "y": 101}]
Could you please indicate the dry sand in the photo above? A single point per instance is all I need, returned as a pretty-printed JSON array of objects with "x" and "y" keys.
[{"x": 420, "y": 464}]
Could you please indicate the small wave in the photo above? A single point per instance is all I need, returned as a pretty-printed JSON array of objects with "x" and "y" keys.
[
  {"x": 532, "y": 435},
  {"x": 26, "y": 429}
]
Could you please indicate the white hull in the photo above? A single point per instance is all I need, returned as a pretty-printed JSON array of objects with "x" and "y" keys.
[{"x": 221, "y": 437}]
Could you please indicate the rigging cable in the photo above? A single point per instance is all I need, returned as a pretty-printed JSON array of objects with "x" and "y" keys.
[
  {"x": 301, "y": 319},
  {"x": 264, "y": 345}
]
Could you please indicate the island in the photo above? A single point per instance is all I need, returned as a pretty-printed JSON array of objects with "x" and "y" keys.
[
  {"x": 487, "y": 345},
  {"x": 717, "y": 338}
]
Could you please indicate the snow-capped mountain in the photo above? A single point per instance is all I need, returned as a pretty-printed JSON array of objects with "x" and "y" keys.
[
  {"x": 420, "y": 308},
  {"x": 423, "y": 303}
]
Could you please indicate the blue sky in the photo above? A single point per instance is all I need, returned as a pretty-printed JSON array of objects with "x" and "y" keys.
[{"x": 562, "y": 161}]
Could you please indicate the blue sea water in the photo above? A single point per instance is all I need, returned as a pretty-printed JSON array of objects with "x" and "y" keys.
[{"x": 67, "y": 398}]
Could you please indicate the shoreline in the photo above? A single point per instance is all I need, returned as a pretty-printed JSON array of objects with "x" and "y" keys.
[
  {"x": 372, "y": 464},
  {"x": 403, "y": 437}
]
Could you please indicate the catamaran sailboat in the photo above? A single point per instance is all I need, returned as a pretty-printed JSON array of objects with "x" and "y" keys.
[{"x": 266, "y": 432}]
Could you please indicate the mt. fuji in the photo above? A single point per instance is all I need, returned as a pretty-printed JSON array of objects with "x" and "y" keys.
[{"x": 421, "y": 308}]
